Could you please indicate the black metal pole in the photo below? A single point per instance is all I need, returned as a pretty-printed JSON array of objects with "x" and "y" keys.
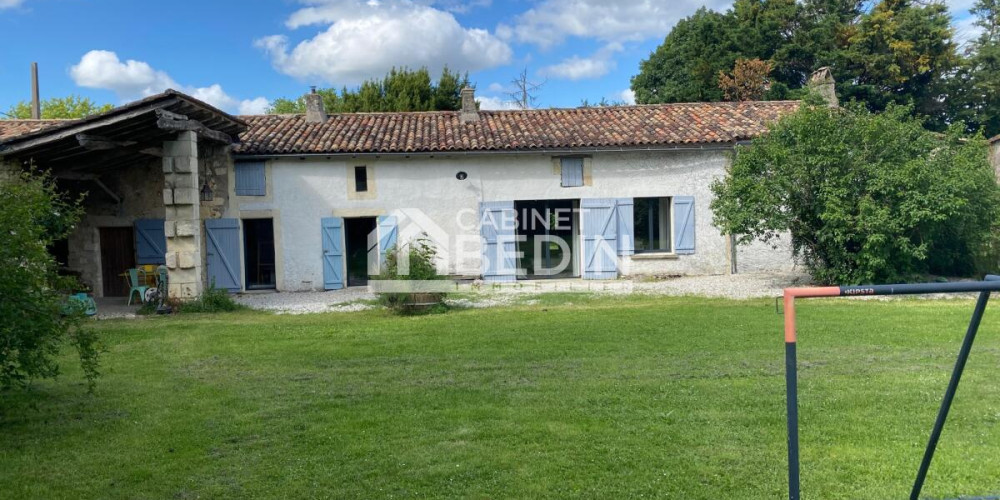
[
  {"x": 792, "y": 402},
  {"x": 949, "y": 395}
]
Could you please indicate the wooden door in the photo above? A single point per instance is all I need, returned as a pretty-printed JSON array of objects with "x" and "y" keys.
[{"x": 117, "y": 256}]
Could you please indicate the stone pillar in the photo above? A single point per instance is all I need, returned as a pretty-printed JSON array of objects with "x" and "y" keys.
[{"x": 185, "y": 261}]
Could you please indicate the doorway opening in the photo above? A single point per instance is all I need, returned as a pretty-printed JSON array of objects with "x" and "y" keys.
[
  {"x": 546, "y": 231},
  {"x": 117, "y": 257},
  {"x": 258, "y": 254},
  {"x": 360, "y": 242}
]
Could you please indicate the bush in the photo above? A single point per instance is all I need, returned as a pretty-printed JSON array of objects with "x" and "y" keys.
[
  {"x": 212, "y": 300},
  {"x": 421, "y": 257},
  {"x": 866, "y": 197},
  {"x": 35, "y": 320}
]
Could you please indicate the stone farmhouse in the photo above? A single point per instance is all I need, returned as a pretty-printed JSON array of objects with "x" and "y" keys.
[{"x": 314, "y": 202}]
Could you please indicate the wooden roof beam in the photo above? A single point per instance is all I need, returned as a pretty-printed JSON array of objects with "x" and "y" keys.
[{"x": 175, "y": 122}]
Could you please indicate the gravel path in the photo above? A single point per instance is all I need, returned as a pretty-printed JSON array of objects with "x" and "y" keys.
[{"x": 740, "y": 286}]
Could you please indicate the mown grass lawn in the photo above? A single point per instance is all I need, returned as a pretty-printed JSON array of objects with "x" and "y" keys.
[{"x": 631, "y": 397}]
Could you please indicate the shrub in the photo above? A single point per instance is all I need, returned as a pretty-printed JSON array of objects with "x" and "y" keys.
[
  {"x": 35, "y": 319},
  {"x": 866, "y": 197},
  {"x": 421, "y": 257},
  {"x": 212, "y": 300}
]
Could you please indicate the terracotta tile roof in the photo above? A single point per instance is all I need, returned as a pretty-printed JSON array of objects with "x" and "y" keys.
[
  {"x": 12, "y": 128},
  {"x": 607, "y": 127},
  {"x": 601, "y": 127}
]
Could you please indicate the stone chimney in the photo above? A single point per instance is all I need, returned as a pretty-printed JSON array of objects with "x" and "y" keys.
[
  {"x": 823, "y": 84},
  {"x": 469, "y": 113},
  {"x": 315, "y": 112}
]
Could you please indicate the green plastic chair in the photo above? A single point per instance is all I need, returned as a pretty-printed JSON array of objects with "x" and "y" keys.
[
  {"x": 80, "y": 302},
  {"x": 135, "y": 285}
]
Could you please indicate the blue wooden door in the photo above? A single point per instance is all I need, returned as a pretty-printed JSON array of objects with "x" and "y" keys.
[
  {"x": 600, "y": 238},
  {"x": 222, "y": 245},
  {"x": 387, "y": 235},
  {"x": 684, "y": 224},
  {"x": 333, "y": 252},
  {"x": 150, "y": 242},
  {"x": 497, "y": 221}
]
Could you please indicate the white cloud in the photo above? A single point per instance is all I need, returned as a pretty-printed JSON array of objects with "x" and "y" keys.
[
  {"x": 365, "y": 40},
  {"x": 549, "y": 23},
  {"x": 496, "y": 87},
  {"x": 492, "y": 103},
  {"x": 627, "y": 96},
  {"x": 580, "y": 68},
  {"x": 102, "y": 69},
  {"x": 10, "y": 4}
]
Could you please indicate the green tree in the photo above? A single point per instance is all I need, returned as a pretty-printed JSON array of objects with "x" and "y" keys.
[
  {"x": 34, "y": 322},
  {"x": 865, "y": 197},
  {"x": 974, "y": 92},
  {"x": 900, "y": 52},
  {"x": 69, "y": 107},
  {"x": 685, "y": 67},
  {"x": 400, "y": 90}
]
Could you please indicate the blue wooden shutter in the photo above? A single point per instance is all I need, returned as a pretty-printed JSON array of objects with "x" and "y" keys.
[
  {"x": 333, "y": 253},
  {"x": 150, "y": 242},
  {"x": 572, "y": 171},
  {"x": 387, "y": 235},
  {"x": 626, "y": 226},
  {"x": 222, "y": 247},
  {"x": 497, "y": 220},
  {"x": 250, "y": 178},
  {"x": 684, "y": 224},
  {"x": 600, "y": 235}
]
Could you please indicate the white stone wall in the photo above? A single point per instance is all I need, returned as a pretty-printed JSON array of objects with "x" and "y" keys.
[{"x": 302, "y": 191}]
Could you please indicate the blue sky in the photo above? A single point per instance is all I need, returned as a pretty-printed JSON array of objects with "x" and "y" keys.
[{"x": 238, "y": 54}]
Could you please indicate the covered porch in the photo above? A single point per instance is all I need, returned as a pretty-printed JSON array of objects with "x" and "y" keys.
[{"x": 150, "y": 171}]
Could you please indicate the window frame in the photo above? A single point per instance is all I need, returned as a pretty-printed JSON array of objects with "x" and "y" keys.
[
  {"x": 562, "y": 171},
  {"x": 361, "y": 170},
  {"x": 666, "y": 224},
  {"x": 240, "y": 165}
]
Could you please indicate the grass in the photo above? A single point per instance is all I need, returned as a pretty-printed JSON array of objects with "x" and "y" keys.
[{"x": 573, "y": 396}]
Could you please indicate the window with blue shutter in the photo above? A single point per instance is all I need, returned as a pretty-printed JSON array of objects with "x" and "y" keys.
[
  {"x": 150, "y": 242},
  {"x": 572, "y": 171},
  {"x": 250, "y": 179},
  {"x": 684, "y": 224},
  {"x": 651, "y": 224}
]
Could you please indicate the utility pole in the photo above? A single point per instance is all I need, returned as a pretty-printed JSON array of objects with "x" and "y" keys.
[{"x": 36, "y": 105}]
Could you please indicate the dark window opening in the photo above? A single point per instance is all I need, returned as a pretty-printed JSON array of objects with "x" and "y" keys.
[
  {"x": 361, "y": 179},
  {"x": 258, "y": 251},
  {"x": 652, "y": 225},
  {"x": 362, "y": 248},
  {"x": 546, "y": 231}
]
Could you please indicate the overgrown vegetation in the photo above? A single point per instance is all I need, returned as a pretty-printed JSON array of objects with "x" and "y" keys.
[
  {"x": 35, "y": 321},
  {"x": 212, "y": 300},
  {"x": 416, "y": 264},
  {"x": 866, "y": 197},
  {"x": 402, "y": 89},
  {"x": 881, "y": 53}
]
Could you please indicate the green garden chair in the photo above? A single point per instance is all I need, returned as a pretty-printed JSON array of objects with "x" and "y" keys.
[
  {"x": 137, "y": 284},
  {"x": 80, "y": 302}
]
